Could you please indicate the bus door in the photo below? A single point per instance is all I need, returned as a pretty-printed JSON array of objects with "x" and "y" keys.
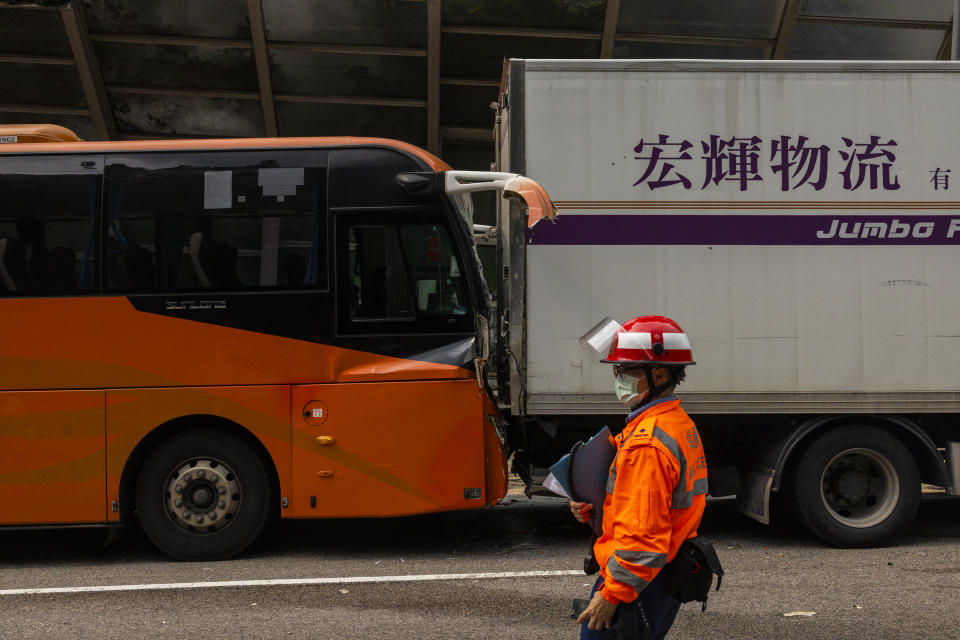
[
  {"x": 401, "y": 429},
  {"x": 52, "y": 442}
]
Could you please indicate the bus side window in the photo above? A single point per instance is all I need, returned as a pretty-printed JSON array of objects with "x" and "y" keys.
[
  {"x": 218, "y": 221},
  {"x": 439, "y": 283},
  {"x": 47, "y": 218},
  {"x": 403, "y": 271},
  {"x": 378, "y": 277}
]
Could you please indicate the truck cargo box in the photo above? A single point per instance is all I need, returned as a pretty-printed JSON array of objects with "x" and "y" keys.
[{"x": 800, "y": 220}]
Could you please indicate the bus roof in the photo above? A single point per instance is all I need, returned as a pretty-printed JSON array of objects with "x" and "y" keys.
[
  {"x": 27, "y": 133},
  {"x": 52, "y": 139}
]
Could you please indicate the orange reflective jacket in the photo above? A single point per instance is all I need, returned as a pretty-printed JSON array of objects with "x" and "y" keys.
[{"x": 656, "y": 493}]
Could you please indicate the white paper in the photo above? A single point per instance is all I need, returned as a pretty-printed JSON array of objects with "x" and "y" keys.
[
  {"x": 217, "y": 189},
  {"x": 552, "y": 484}
]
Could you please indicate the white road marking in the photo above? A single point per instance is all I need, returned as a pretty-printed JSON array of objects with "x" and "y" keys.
[{"x": 290, "y": 581}]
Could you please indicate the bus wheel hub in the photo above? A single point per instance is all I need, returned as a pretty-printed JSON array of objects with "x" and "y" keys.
[{"x": 202, "y": 495}]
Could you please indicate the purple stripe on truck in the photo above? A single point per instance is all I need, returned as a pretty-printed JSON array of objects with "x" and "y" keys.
[{"x": 601, "y": 229}]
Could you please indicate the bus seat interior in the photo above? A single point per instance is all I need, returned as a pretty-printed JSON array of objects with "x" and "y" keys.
[
  {"x": 215, "y": 263},
  {"x": 62, "y": 263},
  {"x": 16, "y": 274},
  {"x": 296, "y": 268},
  {"x": 138, "y": 266},
  {"x": 195, "y": 240},
  {"x": 5, "y": 279},
  {"x": 32, "y": 268}
]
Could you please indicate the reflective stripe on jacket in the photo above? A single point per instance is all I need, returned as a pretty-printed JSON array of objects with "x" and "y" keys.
[{"x": 656, "y": 493}]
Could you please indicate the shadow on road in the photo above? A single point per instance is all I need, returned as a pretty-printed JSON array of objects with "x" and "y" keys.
[{"x": 518, "y": 522}]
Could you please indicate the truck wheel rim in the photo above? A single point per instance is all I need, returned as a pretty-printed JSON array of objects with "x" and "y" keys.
[
  {"x": 859, "y": 488},
  {"x": 202, "y": 495}
]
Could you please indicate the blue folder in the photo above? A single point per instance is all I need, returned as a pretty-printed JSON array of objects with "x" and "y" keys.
[{"x": 591, "y": 466}]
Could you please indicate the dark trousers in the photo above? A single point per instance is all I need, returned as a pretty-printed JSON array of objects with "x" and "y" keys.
[{"x": 660, "y": 608}]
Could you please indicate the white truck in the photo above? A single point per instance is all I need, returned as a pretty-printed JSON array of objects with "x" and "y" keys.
[{"x": 800, "y": 220}]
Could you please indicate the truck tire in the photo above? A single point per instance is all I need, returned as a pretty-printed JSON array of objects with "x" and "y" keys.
[
  {"x": 203, "y": 495},
  {"x": 856, "y": 486}
]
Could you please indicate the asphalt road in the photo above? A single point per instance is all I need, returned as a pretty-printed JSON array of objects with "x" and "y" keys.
[{"x": 910, "y": 590}]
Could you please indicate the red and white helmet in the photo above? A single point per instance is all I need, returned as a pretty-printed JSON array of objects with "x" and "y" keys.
[{"x": 654, "y": 340}]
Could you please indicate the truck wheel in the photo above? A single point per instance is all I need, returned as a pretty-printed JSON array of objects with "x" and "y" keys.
[
  {"x": 856, "y": 487},
  {"x": 203, "y": 495}
]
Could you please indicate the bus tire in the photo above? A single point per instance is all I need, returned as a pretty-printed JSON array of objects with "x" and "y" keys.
[
  {"x": 203, "y": 495},
  {"x": 856, "y": 486}
]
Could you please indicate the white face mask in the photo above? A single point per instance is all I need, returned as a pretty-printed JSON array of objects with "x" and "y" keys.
[{"x": 626, "y": 390}]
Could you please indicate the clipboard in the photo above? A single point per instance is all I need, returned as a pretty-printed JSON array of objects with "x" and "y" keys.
[{"x": 582, "y": 474}]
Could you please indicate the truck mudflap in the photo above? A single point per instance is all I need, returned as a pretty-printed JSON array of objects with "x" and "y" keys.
[
  {"x": 753, "y": 499},
  {"x": 953, "y": 455}
]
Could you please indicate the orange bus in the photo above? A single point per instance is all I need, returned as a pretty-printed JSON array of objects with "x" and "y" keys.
[{"x": 205, "y": 334}]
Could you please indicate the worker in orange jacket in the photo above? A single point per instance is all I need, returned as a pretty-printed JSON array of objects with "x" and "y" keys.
[{"x": 657, "y": 484}]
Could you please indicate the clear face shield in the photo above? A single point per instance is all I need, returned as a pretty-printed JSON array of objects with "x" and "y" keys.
[{"x": 596, "y": 342}]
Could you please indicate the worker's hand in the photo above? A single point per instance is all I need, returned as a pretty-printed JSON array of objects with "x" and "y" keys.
[
  {"x": 598, "y": 613},
  {"x": 581, "y": 510}
]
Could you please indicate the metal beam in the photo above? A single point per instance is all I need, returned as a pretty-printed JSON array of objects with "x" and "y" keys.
[
  {"x": 174, "y": 41},
  {"x": 190, "y": 93},
  {"x": 13, "y": 5},
  {"x": 248, "y": 95},
  {"x": 879, "y": 23},
  {"x": 372, "y": 101},
  {"x": 25, "y": 59},
  {"x": 517, "y": 32},
  {"x": 100, "y": 111},
  {"x": 610, "y": 28},
  {"x": 714, "y": 41},
  {"x": 570, "y": 34},
  {"x": 232, "y": 43},
  {"x": 955, "y": 30},
  {"x": 316, "y": 47},
  {"x": 470, "y": 82},
  {"x": 412, "y": 103},
  {"x": 434, "y": 19},
  {"x": 347, "y": 49},
  {"x": 467, "y": 134},
  {"x": 312, "y": 47},
  {"x": 44, "y": 109},
  {"x": 258, "y": 34},
  {"x": 791, "y": 9},
  {"x": 946, "y": 45}
]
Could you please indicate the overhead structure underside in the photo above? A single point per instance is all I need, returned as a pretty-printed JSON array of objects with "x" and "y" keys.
[{"x": 422, "y": 71}]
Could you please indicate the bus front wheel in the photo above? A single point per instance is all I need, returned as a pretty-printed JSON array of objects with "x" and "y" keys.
[{"x": 203, "y": 495}]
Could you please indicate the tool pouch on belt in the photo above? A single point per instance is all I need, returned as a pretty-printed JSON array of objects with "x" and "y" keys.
[{"x": 689, "y": 575}]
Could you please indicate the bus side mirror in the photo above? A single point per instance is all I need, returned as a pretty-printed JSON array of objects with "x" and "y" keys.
[
  {"x": 418, "y": 184},
  {"x": 539, "y": 205}
]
